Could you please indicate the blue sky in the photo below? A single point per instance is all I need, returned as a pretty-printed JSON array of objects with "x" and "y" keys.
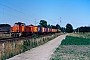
[{"x": 75, "y": 12}]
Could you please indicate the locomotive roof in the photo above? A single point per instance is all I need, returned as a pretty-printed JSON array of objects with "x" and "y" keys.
[{"x": 19, "y": 23}]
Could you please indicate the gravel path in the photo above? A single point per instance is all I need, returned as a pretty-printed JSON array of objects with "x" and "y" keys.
[{"x": 42, "y": 52}]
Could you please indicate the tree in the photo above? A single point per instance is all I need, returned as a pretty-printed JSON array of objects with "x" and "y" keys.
[
  {"x": 43, "y": 23},
  {"x": 48, "y": 26},
  {"x": 58, "y": 26},
  {"x": 63, "y": 29},
  {"x": 83, "y": 29},
  {"x": 69, "y": 28}
]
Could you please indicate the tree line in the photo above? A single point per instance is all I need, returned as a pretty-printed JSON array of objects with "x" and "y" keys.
[
  {"x": 83, "y": 29},
  {"x": 68, "y": 29}
]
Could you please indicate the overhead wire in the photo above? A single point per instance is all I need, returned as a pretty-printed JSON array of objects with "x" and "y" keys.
[
  {"x": 14, "y": 9},
  {"x": 18, "y": 10},
  {"x": 12, "y": 15},
  {"x": 22, "y": 9}
]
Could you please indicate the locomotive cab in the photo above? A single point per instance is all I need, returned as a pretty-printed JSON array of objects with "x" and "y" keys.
[{"x": 18, "y": 29}]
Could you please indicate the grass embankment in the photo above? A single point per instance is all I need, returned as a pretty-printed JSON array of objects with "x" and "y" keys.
[
  {"x": 73, "y": 47},
  {"x": 15, "y": 47},
  {"x": 82, "y": 35}
]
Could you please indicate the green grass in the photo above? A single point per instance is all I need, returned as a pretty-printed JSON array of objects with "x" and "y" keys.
[{"x": 71, "y": 40}]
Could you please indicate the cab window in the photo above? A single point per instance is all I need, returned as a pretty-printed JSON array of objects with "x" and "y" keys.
[{"x": 19, "y": 24}]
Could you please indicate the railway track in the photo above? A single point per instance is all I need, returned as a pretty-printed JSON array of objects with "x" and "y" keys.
[
  {"x": 18, "y": 38},
  {"x": 12, "y": 38}
]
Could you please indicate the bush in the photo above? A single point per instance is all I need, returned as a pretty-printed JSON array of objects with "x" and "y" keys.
[
  {"x": 35, "y": 36},
  {"x": 26, "y": 45}
]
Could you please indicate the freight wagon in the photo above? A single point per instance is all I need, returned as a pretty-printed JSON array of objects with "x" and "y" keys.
[{"x": 5, "y": 28}]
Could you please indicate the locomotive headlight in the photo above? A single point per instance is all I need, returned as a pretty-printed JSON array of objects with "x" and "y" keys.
[
  {"x": 12, "y": 30},
  {"x": 16, "y": 28}
]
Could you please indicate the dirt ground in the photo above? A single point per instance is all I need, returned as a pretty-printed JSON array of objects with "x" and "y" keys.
[
  {"x": 42, "y": 52},
  {"x": 72, "y": 52}
]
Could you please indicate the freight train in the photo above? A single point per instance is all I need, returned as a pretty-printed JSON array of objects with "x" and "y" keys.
[{"x": 21, "y": 29}]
